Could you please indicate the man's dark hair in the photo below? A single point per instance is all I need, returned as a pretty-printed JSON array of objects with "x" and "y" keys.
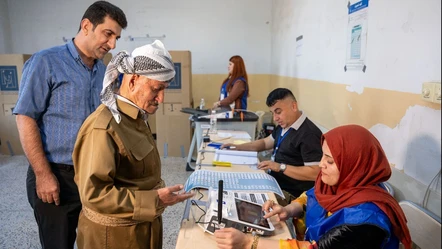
[
  {"x": 279, "y": 94},
  {"x": 100, "y": 9}
]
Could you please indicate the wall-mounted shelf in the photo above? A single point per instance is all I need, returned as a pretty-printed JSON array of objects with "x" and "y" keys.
[{"x": 147, "y": 37}]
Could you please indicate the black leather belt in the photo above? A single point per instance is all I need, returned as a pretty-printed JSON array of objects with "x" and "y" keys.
[{"x": 66, "y": 167}]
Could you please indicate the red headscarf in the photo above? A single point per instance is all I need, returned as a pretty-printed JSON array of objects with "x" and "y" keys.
[{"x": 362, "y": 165}]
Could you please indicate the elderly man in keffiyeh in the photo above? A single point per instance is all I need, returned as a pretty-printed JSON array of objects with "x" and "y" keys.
[{"x": 117, "y": 165}]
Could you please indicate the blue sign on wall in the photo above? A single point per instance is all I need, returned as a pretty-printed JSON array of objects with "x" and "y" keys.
[
  {"x": 8, "y": 78},
  {"x": 176, "y": 82},
  {"x": 358, "y": 6}
]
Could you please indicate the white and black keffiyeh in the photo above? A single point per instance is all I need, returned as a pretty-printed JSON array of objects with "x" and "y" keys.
[{"x": 152, "y": 61}]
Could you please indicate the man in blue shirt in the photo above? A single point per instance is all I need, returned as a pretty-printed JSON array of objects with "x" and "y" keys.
[{"x": 60, "y": 87}]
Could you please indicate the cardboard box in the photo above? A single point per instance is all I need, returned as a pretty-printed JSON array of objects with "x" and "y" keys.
[
  {"x": 173, "y": 129},
  {"x": 11, "y": 67}
]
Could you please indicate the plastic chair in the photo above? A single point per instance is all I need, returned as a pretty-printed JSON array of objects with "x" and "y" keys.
[
  {"x": 388, "y": 187},
  {"x": 424, "y": 226}
]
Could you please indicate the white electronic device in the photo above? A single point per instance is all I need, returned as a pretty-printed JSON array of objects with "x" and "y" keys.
[{"x": 241, "y": 214}]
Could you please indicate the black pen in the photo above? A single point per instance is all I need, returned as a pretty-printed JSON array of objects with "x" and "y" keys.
[
  {"x": 230, "y": 147},
  {"x": 220, "y": 201}
]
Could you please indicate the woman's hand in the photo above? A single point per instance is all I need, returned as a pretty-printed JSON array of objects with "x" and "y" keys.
[
  {"x": 216, "y": 105},
  {"x": 272, "y": 208},
  {"x": 229, "y": 238}
]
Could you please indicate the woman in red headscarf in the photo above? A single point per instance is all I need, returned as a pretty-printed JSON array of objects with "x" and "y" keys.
[{"x": 347, "y": 208}]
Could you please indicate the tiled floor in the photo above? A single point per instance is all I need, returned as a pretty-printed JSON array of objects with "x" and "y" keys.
[{"x": 18, "y": 229}]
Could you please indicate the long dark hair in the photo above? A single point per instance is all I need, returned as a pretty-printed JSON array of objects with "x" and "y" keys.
[{"x": 239, "y": 70}]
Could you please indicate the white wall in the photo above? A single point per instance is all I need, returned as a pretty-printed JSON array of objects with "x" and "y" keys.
[
  {"x": 5, "y": 34},
  {"x": 403, "y": 51},
  {"x": 212, "y": 30}
]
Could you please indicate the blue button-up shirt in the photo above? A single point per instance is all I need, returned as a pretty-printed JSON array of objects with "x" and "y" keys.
[{"x": 59, "y": 91}]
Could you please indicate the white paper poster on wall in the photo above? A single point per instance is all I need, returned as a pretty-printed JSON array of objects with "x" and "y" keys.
[{"x": 357, "y": 36}]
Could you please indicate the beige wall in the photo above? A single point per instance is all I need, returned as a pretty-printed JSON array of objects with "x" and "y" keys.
[{"x": 331, "y": 105}]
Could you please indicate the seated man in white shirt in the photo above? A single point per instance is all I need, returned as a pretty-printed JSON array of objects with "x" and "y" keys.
[{"x": 296, "y": 144}]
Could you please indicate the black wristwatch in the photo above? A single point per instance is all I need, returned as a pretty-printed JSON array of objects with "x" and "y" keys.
[{"x": 282, "y": 167}]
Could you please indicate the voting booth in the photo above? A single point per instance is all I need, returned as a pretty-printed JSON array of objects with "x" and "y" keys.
[
  {"x": 239, "y": 122},
  {"x": 11, "y": 67},
  {"x": 173, "y": 131}
]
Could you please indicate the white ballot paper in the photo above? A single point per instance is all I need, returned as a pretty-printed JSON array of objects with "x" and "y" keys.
[
  {"x": 234, "y": 181},
  {"x": 237, "y": 157}
]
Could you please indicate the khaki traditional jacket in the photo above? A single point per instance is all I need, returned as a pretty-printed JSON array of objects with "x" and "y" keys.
[{"x": 117, "y": 166}]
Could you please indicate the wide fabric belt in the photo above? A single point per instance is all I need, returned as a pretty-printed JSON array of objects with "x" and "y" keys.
[{"x": 107, "y": 220}]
